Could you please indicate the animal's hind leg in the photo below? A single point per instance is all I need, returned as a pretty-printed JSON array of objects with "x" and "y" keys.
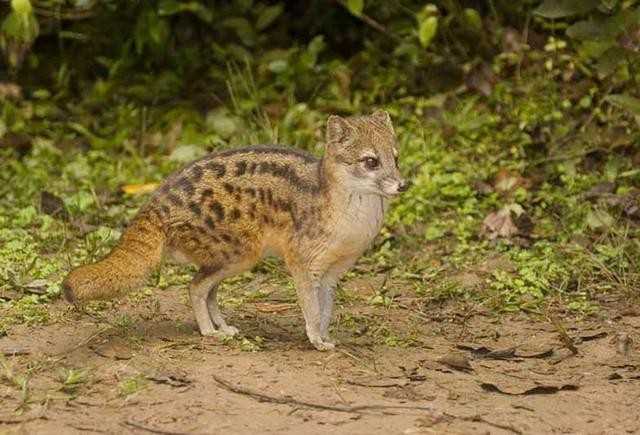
[
  {"x": 202, "y": 292},
  {"x": 216, "y": 316},
  {"x": 198, "y": 293}
]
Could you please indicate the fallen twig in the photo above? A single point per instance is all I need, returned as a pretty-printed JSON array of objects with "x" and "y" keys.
[
  {"x": 81, "y": 343},
  {"x": 301, "y": 403},
  {"x": 562, "y": 332},
  {"x": 14, "y": 352},
  {"x": 479, "y": 418},
  {"x": 19, "y": 420},
  {"x": 370, "y": 385},
  {"x": 151, "y": 429},
  {"x": 86, "y": 428}
]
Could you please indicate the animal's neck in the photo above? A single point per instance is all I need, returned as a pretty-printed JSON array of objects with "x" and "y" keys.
[
  {"x": 357, "y": 217},
  {"x": 347, "y": 206},
  {"x": 365, "y": 209}
]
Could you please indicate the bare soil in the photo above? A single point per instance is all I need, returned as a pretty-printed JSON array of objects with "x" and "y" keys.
[{"x": 403, "y": 369}]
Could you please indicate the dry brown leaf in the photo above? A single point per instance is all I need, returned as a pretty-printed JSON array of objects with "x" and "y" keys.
[
  {"x": 52, "y": 205},
  {"x": 526, "y": 390},
  {"x": 481, "y": 79},
  {"x": 456, "y": 360},
  {"x": 116, "y": 349},
  {"x": 499, "y": 224},
  {"x": 507, "y": 181},
  {"x": 139, "y": 189},
  {"x": 10, "y": 90}
]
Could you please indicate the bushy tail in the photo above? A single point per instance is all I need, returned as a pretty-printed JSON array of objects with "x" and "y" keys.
[{"x": 126, "y": 267}]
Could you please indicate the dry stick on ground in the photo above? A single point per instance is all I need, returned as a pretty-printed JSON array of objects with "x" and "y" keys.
[
  {"x": 82, "y": 343},
  {"x": 373, "y": 370},
  {"x": 348, "y": 409},
  {"x": 15, "y": 352},
  {"x": 301, "y": 403},
  {"x": 479, "y": 418},
  {"x": 152, "y": 430},
  {"x": 9, "y": 420},
  {"x": 86, "y": 428},
  {"x": 562, "y": 332}
]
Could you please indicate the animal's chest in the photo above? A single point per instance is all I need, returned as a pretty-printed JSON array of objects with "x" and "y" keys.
[{"x": 359, "y": 223}]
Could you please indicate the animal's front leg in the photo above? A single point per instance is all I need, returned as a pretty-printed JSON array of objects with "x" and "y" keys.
[
  {"x": 308, "y": 278},
  {"x": 329, "y": 282},
  {"x": 309, "y": 289},
  {"x": 327, "y": 296},
  {"x": 309, "y": 295}
]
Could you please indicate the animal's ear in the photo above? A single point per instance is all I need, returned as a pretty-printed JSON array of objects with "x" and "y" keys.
[
  {"x": 338, "y": 130},
  {"x": 382, "y": 116}
]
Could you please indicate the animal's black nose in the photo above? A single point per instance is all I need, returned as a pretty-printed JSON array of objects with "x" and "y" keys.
[{"x": 404, "y": 186}]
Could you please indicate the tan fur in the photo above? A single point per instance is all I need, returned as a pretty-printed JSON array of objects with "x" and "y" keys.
[{"x": 228, "y": 210}]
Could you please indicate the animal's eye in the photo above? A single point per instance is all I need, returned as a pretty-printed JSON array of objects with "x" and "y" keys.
[
  {"x": 371, "y": 163},
  {"x": 395, "y": 159}
]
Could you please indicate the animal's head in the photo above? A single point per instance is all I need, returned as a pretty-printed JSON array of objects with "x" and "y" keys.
[{"x": 363, "y": 152}]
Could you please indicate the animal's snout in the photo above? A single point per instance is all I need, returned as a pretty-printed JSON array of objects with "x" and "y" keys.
[{"x": 404, "y": 185}]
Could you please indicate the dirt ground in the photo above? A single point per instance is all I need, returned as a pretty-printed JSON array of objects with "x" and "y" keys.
[{"x": 446, "y": 369}]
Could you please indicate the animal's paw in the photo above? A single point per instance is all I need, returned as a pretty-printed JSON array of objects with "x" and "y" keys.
[
  {"x": 328, "y": 339},
  {"x": 223, "y": 332},
  {"x": 228, "y": 331},
  {"x": 322, "y": 345}
]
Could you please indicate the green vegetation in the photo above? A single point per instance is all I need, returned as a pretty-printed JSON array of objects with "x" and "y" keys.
[
  {"x": 72, "y": 379},
  {"x": 131, "y": 385},
  {"x": 518, "y": 124}
]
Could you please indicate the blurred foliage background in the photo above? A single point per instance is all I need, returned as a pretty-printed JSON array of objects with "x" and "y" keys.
[{"x": 518, "y": 121}]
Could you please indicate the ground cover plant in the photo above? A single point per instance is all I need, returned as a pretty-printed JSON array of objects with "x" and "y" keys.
[{"x": 515, "y": 255}]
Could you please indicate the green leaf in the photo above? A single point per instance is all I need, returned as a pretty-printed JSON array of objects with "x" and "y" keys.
[
  {"x": 472, "y": 17},
  {"x": 21, "y": 24},
  {"x": 593, "y": 49},
  {"x": 22, "y": 7},
  {"x": 169, "y": 7},
  {"x": 434, "y": 233},
  {"x": 278, "y": 66},
  {"x": 627, "y": 102},
  {"x": 609, "y": 4},
  {"x": 599, "y": 219},
  {"x": 565, "y": 8},
  {"x": 427, "y": 30},
  {"x": 222, "y": 123},
  {"x": 242, "y": 28},
  {"x": 19, "y": 27},
  {"x": 583, "y": 30},
  {"x": 309, "y": 58},
  {"x": 268, "y": 16},
  {"x": 604, "y": 30},
  {"x": 186, "y": 153},
  {"x": 243, "y": 6},
  {"x": 172, "y": 7},
  {"x": 608, "y": 61},
  {"x": 355, "y": 7}
]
